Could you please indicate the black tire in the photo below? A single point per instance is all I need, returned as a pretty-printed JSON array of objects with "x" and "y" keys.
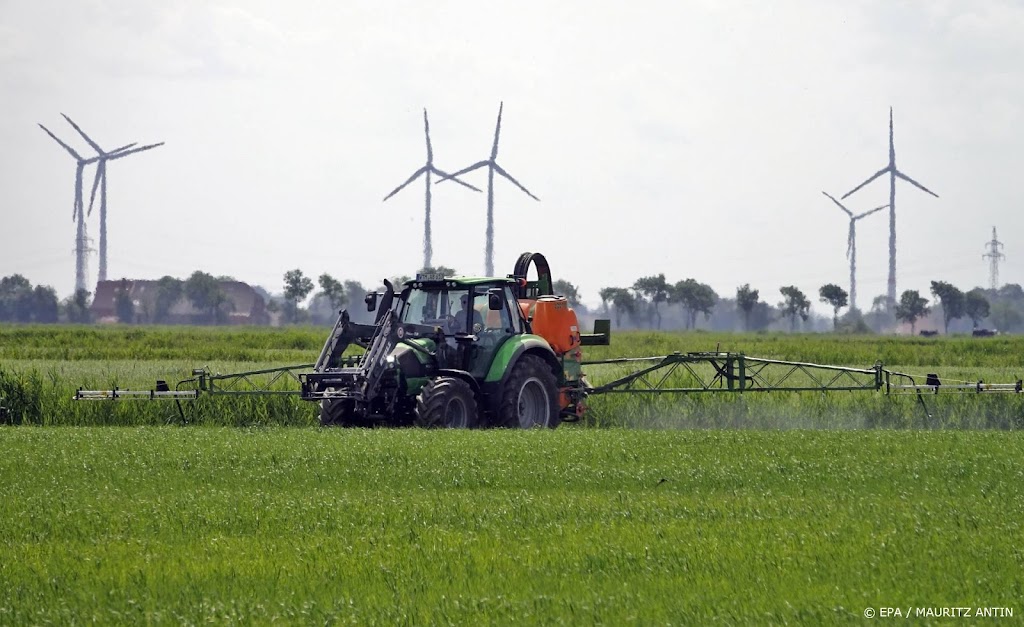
[
  {"x": 335, "y": 413},
  {"x": 530, "y": 397},
  {"x": 446, "y": 403}
]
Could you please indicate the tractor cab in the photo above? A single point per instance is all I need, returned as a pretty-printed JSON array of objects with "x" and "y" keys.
[{"x": 469, "y": 319}]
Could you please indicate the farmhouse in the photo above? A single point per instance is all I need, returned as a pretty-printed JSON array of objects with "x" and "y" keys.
[{"x": 242, "y": 305}]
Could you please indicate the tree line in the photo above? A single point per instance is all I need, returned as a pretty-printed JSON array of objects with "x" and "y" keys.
[{"x": 650, "y": 302}]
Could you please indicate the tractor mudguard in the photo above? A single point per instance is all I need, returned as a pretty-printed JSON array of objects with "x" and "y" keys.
[
  {"x": 505, "y": 361},
  {"x": 510, "y": 351},
  {"x": 461, "y": 374}
]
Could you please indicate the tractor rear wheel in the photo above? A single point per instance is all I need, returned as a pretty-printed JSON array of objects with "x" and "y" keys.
[
  {"x": 336, "y": 413},
  {"x": 446, "y": 403},
  {"x": 530, "y": 397}
]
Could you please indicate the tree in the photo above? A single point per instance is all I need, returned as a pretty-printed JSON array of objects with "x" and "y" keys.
[
  {"x": 976, "y": 306},
  {"x": 952, "y": 300},
  {"x": 296, "y": 287},
  {"x": 911, "y": 308},
  {"x": 695, "y": 298},
  {"x": 356, "y": 294},
  {"x": 168, "y": 292},
  {"x": 656, "y": 289},
  {"x": 1011, "y": 291},
  {"x": 45, "y": 305},
  {"x": 1005, "y": 317},
  {"x": 879, "y": 303},
  {"x": 16, "y": 298},
  {"x": 622, "y": 301},
  {"x": 794, "y": 305},
  {"x": 206, "y": 295},
  {"x": 333, "y": 290},
  {"x": 441, "y": 271},
  {"x": 746, "y": 300},
  {"x": 836, "y": 297},
  {"x": 567, "y": 289},
  {"x": 123, "y": 304},
  {"x": 77, "y": 306},
  {"x": 606, "y": 294}
]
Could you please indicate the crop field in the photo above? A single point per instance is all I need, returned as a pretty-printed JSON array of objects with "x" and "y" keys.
[
  {"x": 169, "y": 525},
  {"x": 724, "y": 509},
  {"x": 42, "y": 366}
]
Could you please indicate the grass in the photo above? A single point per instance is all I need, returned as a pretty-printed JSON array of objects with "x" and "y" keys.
[
  {"x": 169, "y": 526},
  {"x": 42, "y": 366},
  {"x": 753, "y": 509}
]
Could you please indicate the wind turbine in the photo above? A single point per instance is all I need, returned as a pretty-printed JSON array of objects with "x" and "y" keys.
[
  {"x": 427, "y": 169},
  {"x": 492, "y": 167},
  {"x": 101, "y": 182},
  {"x": 893, "y": 175},
  {"x": 77, "y": 214},
  {"x": 851, "y": 245}
]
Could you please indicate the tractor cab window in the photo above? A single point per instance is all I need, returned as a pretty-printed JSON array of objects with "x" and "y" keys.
[
  {"x": 515, "y": 316},
  {"x": 454, "y": 310}
]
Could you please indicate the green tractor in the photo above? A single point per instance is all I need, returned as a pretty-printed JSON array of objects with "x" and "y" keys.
[{"x": 457, "y": 352}]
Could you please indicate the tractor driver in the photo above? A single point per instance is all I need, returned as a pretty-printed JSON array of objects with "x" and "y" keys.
[{"x": 459, "y": 326}]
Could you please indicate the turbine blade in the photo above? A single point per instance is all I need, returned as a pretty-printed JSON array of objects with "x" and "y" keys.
[
  {"x": 839, "y": 204},
  {"x": 121, "y": 148},
  {"x": 914, "y": 183},
  {"x": 497, "y": 131},
  {"x": 426, "y": 131},
  {"x": 407, "y": 181},
  {"x": 446, "y": 177},
  {"x": 873, "y": 177},
  {"x": 502, "y": 172},
  {"x": 66, "y": 147},
  {"x": 451, "y": 177},
  {"x": 100, "y": 173},
  {"x": 867, "y": 213},
  {"x": 850, "y": 238},
  {"x": 124, "y": 152},
  {"x": 87, "y": 139}
]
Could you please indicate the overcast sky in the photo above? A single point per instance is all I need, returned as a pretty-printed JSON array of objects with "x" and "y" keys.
[{"x": 690, "y": 138}]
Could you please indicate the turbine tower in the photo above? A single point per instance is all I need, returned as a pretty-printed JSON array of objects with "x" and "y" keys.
[
  {"x": 427, "y": 169},
  {"x": 851, "y": 245},
  {"x": 993, "y": 255},
  {"x": 894, "y": 173},
  {"x": 77, "y": 213},
  {"x": 492, "y": 167},
  {"x": 100, "y": 181}
]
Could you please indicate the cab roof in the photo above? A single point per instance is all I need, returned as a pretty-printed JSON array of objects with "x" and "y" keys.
[{"x": 430, "y": 281}]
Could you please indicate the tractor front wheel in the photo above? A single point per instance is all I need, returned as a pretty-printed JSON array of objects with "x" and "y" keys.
[
  {"x": 446, "y": 403},
  {"x": 530, "y": 397},
  {"x": 336, "y": 413}
]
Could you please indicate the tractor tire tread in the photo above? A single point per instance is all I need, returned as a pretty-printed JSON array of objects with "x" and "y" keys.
[
  {"x": 528, "y": 367},
  {"x": 433, "y": 399}
]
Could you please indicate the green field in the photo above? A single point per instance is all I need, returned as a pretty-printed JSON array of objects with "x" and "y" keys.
[
  {"x": 42, "y": 366},
  {"x": 168, "y": 525},
  {"x": 710, "y": 509}
]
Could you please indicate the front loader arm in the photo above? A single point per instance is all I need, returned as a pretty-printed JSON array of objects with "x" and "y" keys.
[{"x": 345, "y": 332}]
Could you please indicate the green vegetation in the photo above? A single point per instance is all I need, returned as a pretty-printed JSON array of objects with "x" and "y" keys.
[
  {"x": 42, "y": 366},
  {"x": 762, "y": 521},
  {"x": 171, "y": 526}
]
